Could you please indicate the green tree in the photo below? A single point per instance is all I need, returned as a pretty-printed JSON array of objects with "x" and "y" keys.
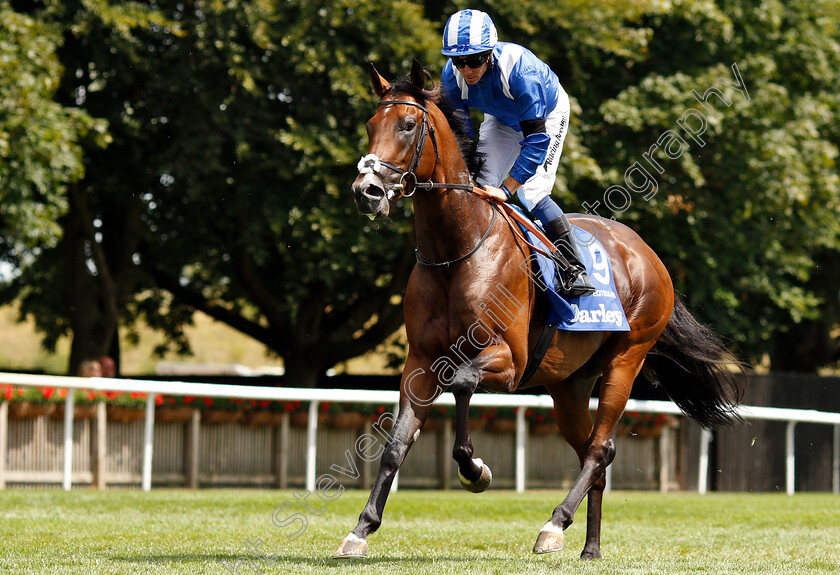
[
  {"x": 755, "y": 206},
  {"x": 254, "y": 221},
  {"x": 84, "y": 284},
  {"x": 41, "y": 150},
  {"x": 757, "y": 201},
  {"x": 236, "y": 129}
]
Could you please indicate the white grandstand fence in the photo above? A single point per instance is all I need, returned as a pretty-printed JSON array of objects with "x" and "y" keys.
[{"x": 316, "y": 396}]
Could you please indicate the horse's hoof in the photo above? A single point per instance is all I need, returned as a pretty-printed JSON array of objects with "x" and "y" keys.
[
  {"x": 482, "y": 483},
  {"x": 351, "y": 548},
  {"x": 550, "y": 539}
]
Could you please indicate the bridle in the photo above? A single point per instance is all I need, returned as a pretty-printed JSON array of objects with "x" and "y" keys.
[
  {"x": 426, "y": 128},
  {"x": 371, "y": 162},
  {"x": 370, "y": 165}
]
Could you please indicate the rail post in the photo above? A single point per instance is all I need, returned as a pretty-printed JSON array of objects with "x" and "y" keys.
[
  {"x": 703, "y": 471},
  {"x": 521, "y": 436},
  {"x": 835, "y": 476},
  {"x": 664, "y": 458},
  {"x": 67, "y": 476},
  {"x": 148, "y": 440},
  {"x": 790, "y": 458},
  {"x": 4, "y": 441},
  {"x": 395, "y": 484},
  {"x": 311, "y": 445}
]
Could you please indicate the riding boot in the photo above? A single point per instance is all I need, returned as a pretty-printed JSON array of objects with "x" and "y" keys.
[{"x": 572, "y": 280}]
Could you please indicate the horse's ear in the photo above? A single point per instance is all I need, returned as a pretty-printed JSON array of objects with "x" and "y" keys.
[
  {"x": 380, "y": 84},
  {"x": 418, "y": 75}
]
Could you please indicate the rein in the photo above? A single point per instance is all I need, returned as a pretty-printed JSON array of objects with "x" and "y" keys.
[
  {"x": 424, "y": 262},
  {"x": 510, "y": 214},
  {"x": 371, "y": 164}
]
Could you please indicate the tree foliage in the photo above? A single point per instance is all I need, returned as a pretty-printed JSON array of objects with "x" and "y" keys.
[
  {"x": 233, "y": 130},
  {"x": 236, "y": 129},
  {"x": 40, "y": 151},
  {"x": 753, "y": 200},
  {"x": 253, "y": 220}
]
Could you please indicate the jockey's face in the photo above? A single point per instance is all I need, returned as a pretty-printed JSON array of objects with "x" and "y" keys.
[{"x": 472, "y": 74}]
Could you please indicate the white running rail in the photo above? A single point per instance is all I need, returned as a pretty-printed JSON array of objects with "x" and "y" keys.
[{"x": 315, "y": 396}]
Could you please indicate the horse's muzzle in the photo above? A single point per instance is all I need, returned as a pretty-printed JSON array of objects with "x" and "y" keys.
[{"x": 369, "y": 194}]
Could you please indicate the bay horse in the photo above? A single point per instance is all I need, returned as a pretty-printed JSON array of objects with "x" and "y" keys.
[{"x": 458, "y": 340}]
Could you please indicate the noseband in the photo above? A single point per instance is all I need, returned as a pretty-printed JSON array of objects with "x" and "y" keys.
[{"x": 371, "y": 163}]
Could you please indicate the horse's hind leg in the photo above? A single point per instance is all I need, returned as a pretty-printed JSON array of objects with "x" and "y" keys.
[
  {"x": 592, "y": 548},
  {"x": 474, "y": 474},
  {"x": 599, "y": 452},
  {"x": 571, "y": 406}
]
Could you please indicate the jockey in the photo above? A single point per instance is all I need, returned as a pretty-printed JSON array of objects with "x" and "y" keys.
[{"x": 526, "y": 117}]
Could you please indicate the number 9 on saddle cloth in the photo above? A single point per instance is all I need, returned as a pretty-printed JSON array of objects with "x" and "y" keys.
[{"x": 600, "y": 311}]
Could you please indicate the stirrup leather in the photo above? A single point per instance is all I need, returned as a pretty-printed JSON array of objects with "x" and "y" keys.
[{"x": 572, "y": 280}]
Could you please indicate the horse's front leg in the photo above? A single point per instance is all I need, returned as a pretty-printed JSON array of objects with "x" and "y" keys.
[
  {"x": 600, "y": 452},
  {"x": 495, "y": 369},
  {"x": 474, "y": 474},
  {"x": 592, "y": 548},
  {"x": 404, "y": 433}
]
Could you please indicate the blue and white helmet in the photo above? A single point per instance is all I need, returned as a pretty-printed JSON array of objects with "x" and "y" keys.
[{"x": 468, "y": 32}]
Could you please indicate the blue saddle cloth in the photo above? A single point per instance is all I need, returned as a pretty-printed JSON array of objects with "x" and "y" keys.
[{"x": 601, "y": 311}]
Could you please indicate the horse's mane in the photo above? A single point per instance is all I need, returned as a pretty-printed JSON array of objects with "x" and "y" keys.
[{"x": 458, "y": 121}]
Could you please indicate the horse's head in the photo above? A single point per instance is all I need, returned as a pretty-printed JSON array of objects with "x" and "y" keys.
[{"x": 397, "y": 136}]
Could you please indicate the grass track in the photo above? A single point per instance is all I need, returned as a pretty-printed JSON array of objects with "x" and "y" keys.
[{"x": 168, "y": 532}]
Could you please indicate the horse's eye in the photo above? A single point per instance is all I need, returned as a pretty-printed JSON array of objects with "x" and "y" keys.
[{"x": 409, "y": 126}]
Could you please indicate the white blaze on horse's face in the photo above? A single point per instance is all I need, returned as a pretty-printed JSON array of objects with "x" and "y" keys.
[{"x": 369, "y": 190}]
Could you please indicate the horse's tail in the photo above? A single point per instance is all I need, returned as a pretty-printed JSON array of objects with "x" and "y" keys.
[{"x": 691, "y": 363}]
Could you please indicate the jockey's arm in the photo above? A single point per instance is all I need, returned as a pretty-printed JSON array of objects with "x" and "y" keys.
[
  {"x": 510, "y": 184},
  {"x": 526, "y": 87}
]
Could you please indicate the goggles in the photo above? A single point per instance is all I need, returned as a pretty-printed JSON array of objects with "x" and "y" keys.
[{"x": 473, "y": 60}]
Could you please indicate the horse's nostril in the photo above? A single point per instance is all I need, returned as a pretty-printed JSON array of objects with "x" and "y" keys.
[{"x": 373, "y": 192}]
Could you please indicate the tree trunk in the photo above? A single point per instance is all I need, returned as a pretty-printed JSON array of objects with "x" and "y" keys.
[
  {"x": 91, "y": 293},
  {"x": 300, "y": 374}
]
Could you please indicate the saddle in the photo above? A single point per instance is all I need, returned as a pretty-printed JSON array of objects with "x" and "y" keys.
[{"x": 601, "y": 311}]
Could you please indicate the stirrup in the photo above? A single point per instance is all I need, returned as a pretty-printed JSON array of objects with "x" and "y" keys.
[{"x": 575, "y": 283}]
